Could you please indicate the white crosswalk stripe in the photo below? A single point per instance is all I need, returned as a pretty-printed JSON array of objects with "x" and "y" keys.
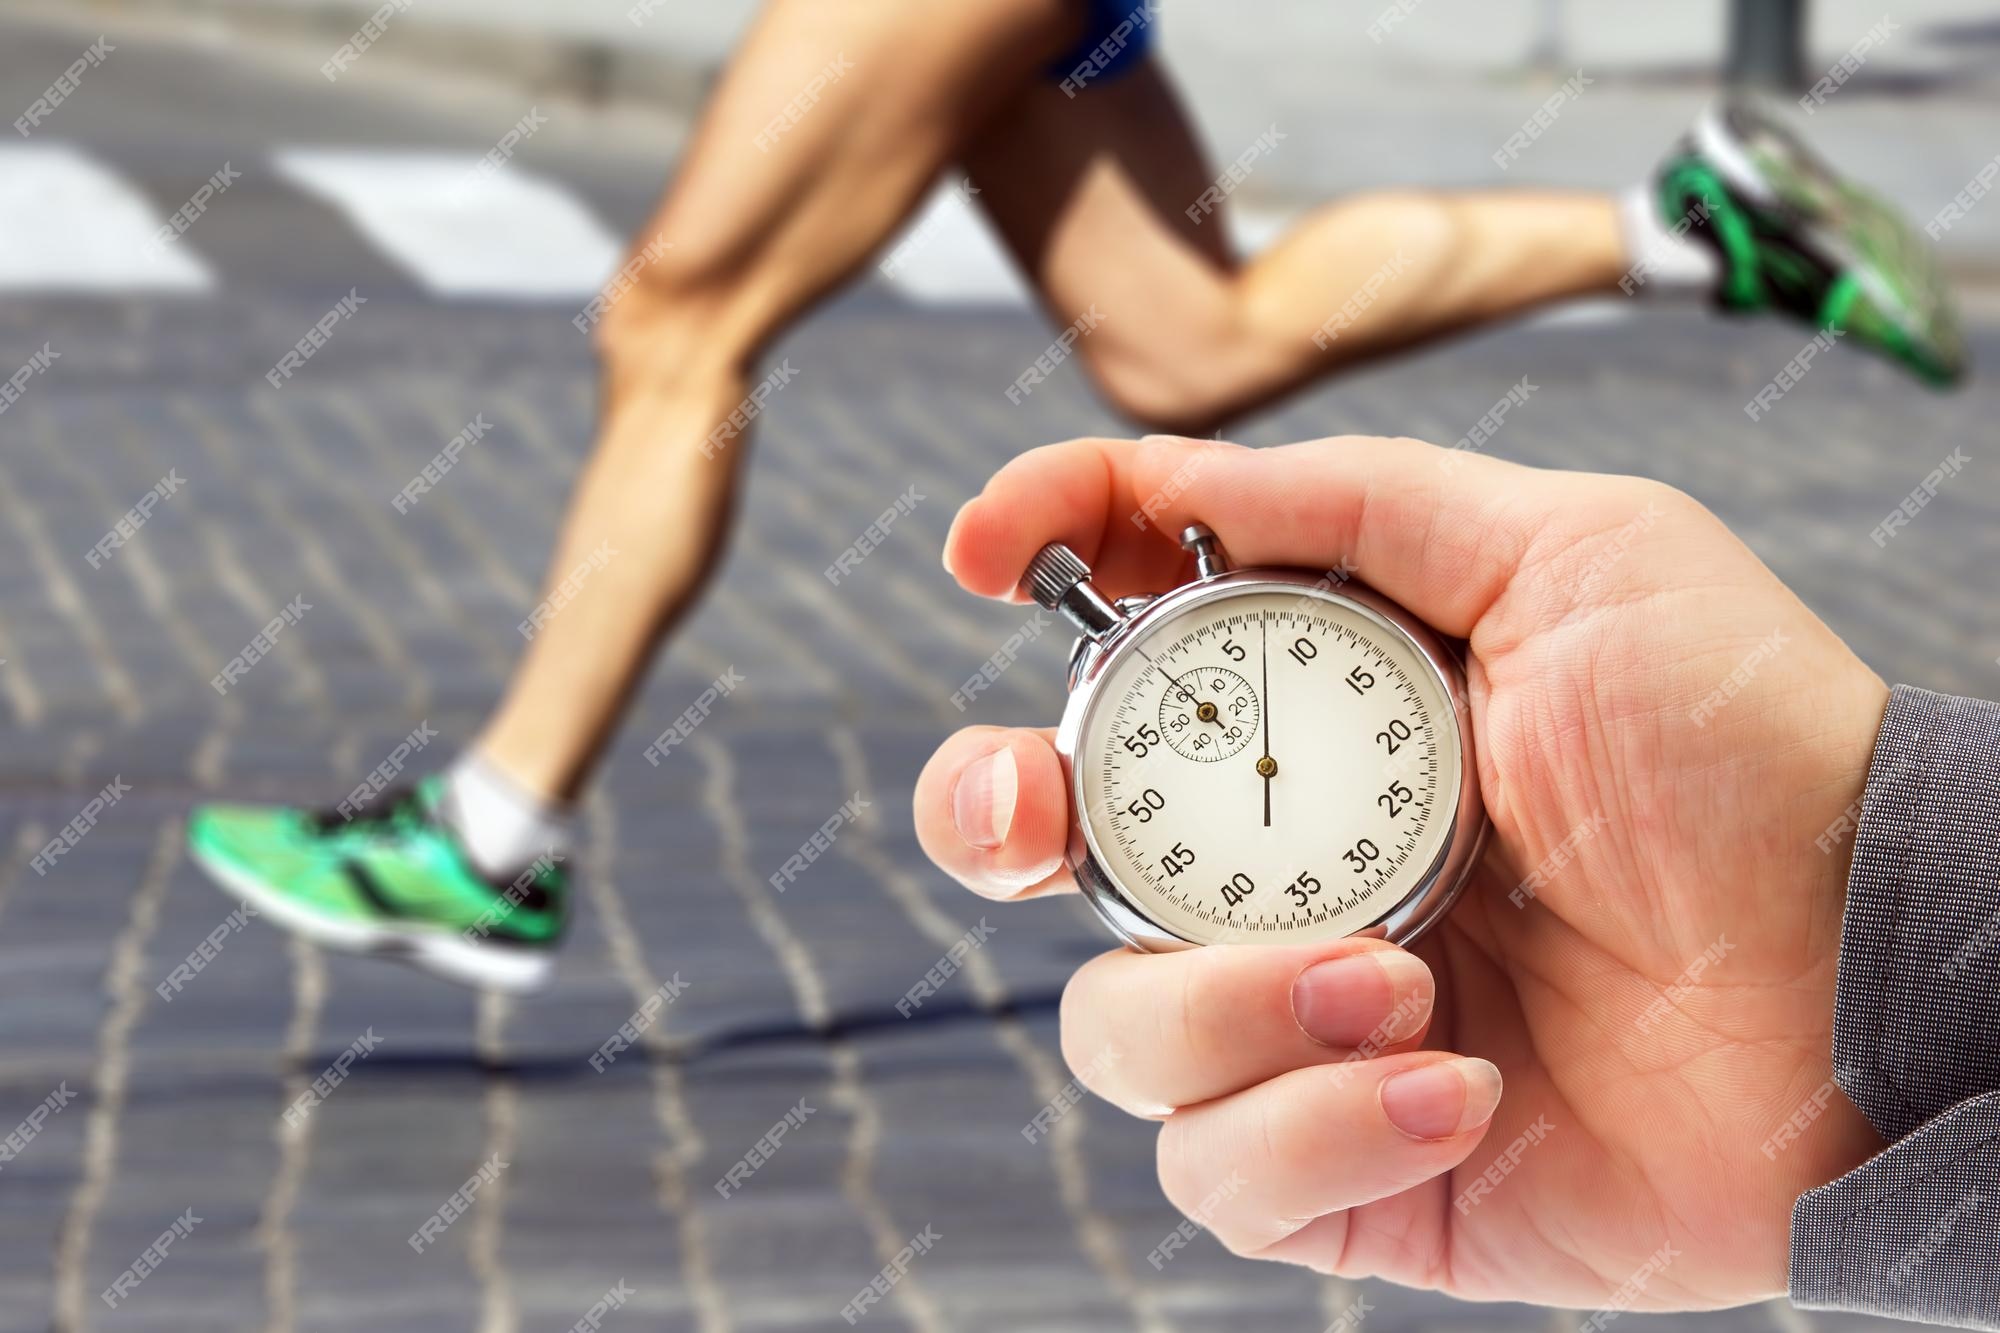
[
  {"x": 459, "y": 230},
  {"x": 70, "y": 223}
]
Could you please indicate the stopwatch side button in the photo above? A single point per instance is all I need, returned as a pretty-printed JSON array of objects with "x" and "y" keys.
[
  {"x": 1209, "y": 559},
  {"x": 1058, "y": 579}
]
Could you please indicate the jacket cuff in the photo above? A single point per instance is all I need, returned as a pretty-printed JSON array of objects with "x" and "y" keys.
[
  {"x": 1918, "y": 1000},
  {"x": 1910, "y": 1233}
]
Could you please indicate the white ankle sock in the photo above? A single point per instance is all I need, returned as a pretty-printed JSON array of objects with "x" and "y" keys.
[
  {"x": 502, "y": 827},
  {"x": 1665, "y": 262}
]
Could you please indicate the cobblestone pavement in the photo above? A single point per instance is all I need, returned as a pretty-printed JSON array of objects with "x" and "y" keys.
[
  {"x": 913, "y": 1124},
  {"x": 412, "y": 618}
]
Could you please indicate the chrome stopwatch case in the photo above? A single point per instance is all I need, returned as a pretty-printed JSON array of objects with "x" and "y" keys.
[{"x": 1261, "y": 756}]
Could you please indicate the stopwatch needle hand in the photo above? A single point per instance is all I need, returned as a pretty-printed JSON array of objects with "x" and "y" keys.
[{"x": 1267, "y": 768}]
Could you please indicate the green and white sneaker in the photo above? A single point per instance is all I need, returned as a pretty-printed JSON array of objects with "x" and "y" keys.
[
  {"x": 393, "y": 882},
  {"x": 1798, "y": 238}
]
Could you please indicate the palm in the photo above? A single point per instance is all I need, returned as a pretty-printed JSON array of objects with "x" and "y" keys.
[{"x": 1668, "y": 868}]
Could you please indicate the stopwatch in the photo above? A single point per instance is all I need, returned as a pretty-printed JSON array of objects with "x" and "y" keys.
[{"x": 1261, "y": 756}]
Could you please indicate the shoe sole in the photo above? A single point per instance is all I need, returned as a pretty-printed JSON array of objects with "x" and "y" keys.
[{"x": 452, "y": 957}]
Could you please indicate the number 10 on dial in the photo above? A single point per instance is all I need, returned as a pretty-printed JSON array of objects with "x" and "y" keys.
[{"x": 1261, "y": 756}]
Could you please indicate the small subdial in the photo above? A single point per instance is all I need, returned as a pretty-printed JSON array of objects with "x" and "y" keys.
[{"x": 1208, "y": 714}]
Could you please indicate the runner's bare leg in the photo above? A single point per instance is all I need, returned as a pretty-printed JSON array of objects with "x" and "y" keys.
[
  {"x": 1092, "y": 194},
  {"x": 1089, "y": 192},
  {"x": 759, "y": 230}
]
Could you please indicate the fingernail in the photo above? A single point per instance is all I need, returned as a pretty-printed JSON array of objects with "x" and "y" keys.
[
  {"x": 983, "y": 806},
  {"x": 944, "y": 554},
  {"x": 1442, "y": 1099},
  {"x": 1191, "y": 439},
  {"x": 1373, "y": 999}
]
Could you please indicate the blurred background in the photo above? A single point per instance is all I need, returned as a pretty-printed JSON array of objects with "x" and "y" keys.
[{"x": 146, "y": 374}]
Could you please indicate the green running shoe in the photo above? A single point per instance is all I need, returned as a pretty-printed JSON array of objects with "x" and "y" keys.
[
  {"x": 1797, "y": 237},
  {"x": 393, "y": 882}
]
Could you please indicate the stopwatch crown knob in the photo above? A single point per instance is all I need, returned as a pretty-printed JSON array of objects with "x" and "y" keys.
[
  {"x": 1052, "y": 573},
  {"x": 1058, "y": 579},
  {"x": 1199, "y": 540}
]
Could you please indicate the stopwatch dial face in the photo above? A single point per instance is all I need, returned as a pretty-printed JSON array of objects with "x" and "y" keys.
[{"x": 1307, "y": 806}]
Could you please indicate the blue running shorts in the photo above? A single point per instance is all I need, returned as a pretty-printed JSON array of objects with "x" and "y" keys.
[{"x": 1118, "y": 36}]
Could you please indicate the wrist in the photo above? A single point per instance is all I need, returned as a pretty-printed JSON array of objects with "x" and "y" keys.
[
  {"x": 1850, "y": 753},
  {"x": 1823, "y": 1135}
]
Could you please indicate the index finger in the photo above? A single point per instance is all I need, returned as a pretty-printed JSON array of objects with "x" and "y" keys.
[
  {"x": 1440, "y": 531},
  {"x": 1092, "y": 495}
]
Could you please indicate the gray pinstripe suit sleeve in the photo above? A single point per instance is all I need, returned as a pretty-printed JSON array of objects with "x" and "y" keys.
[{"x": 1916, "y": 1231}]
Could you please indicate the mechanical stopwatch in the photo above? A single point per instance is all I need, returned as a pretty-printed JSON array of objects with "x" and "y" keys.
[{"x": 1261, "y": 756}]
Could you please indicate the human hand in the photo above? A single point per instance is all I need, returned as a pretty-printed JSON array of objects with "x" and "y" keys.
[{"x": 1646, "y": 956}]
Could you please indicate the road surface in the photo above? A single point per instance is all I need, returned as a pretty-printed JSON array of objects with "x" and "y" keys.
[{"x": 268, "y": 497}]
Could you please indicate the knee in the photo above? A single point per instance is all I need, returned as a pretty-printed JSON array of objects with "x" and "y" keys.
[
  {"x": 1187, "y": 367},
  {"x": 665, "y": 301},
  {"x": 1157, "y": 391}
]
